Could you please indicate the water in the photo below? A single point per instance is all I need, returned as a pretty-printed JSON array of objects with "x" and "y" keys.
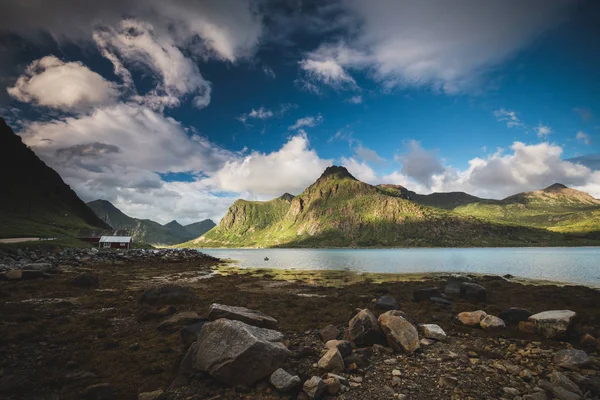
[{"x": 579, "y": 265}]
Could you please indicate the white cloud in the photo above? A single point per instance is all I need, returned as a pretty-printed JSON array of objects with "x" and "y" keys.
[
  {"x": 510, "y": 117},
  {"x": 260, "y": 113},
  {"x": 543, "y": 130},
  {"x": 307, "y": 122},
  {"x": 69, "y": 86},
  {"x": 138, "y": 44},
  {"x": 227, "y": 29},
  {"x": 329, "y": 72},
  {"x": 355, "y": 100},
  {"x": 419, "y": 164},
  {"x": 408, "y": 43},
  {"x": 290, "y": 169},
  {"x": 360, "y": 170},
  {"x": 584, "y": 137}
]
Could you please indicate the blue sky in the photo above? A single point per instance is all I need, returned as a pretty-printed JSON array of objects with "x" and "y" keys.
[{"x": 172, "y": 111}]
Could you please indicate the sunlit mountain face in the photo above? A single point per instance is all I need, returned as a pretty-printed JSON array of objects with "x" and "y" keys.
[{"x": 172, "y": 110}]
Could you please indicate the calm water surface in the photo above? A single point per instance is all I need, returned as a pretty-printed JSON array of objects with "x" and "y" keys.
[{"x": 564, "y": 264}]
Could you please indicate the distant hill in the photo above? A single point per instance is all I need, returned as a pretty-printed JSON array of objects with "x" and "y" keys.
[
  {"x": 148, "y": 231},
  {"x": 340, "y": 211},
  {"x": 35, "y": 201}
]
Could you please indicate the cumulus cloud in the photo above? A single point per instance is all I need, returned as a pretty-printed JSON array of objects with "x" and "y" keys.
[
  {"x": 290, "y": 169},
  {"x": 328, "y": 71},
  {"x": 309, "y": 122},
  {"x": 67, "y": 86},
  {"x": 510, "y": 117},
  {"x": 138, "y": 43},
  {"x": 419, "y": 164},
  {"x": 458, "y": 45},
  {"x": 584, "y": 137},
  {"x": 543, "y": 130}
]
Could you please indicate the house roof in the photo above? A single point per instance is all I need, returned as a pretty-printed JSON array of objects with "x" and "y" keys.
[{"x": 115, "y": 239}]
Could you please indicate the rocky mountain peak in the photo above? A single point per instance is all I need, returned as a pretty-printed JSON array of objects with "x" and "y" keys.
[{"x": 336, "y": 172}]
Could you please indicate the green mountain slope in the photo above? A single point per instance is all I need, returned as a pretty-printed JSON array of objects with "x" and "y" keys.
[
  {"x": 555, "y": 208},
  {"x": 340, "y": 211},
  {"x": 35, "y": 201},
  {"x": 200, "y": 228},
  {"x": 145, "y": 230}
]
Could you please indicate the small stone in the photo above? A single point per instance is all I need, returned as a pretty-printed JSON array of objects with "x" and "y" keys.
[
  {"x": 426, "y": 342},
  {"x": 340, "y": 378},
  {"x": 100, "y": 391},
  {"x": 333, "y": 385},
  {"x": 156, "y": 395},
  {"x": 390, "y": 361},
  {"x": 332, "y": 361},
  {"x": 511, "y": 391},
  {"x": 472, "y": 318},
  {"x": 314, "y": 387},
  {"x": 448, "y": 382},
  {"x": 535, "y": 396},
  {"x": 588, "y": 340},
  {"x": 433, "y": 331},
  {"x": 344, "y": 346},
  {"x": 357, "y": 379},
  {"x": 328, "y": 333},
  {"x": 284, "y": 381},
  {"x": 527, "y": 327},
  {"x": 514, "y": 315},
  {"x": 490, "y": 322},
  {"x": 526, "y": 375},
  {"x": 396, "y": 372}
]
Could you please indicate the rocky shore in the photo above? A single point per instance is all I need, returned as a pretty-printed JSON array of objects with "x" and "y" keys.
[{"x": 163, "y": 325}]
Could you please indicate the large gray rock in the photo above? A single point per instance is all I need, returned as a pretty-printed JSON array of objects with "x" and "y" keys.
[
  {"x": 364, "y": 329},
  {"x": 559, "y": 379},
  {"x": 571, "y": 358},
  {"x": 284, "y": 381},
  {"x": 557, "y": 391},
  {"x": 553, "y": 324},
  {"x": 473, "y": 292},
  {"x": 236, "y": 353},
  {"x": 251, "y": 317},
  {"x": 401, "y": 335}
]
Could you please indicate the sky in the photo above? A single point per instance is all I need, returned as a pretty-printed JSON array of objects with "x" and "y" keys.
[{"x": 172, "y": 110}]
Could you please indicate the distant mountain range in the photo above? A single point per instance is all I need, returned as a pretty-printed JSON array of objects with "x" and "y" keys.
[
  {"x": 35, "y": 201},
  {"x": 148, "y": 231},
  {"x": 340, "y": 211}
]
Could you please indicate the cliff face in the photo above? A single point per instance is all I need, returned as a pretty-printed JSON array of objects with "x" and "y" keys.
[
  {"x": 340, "y": 211},
  {"x": 35, "y": 200}
]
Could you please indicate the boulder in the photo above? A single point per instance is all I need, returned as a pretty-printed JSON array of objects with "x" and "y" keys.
[
  {"x": 236, "y": 353},
  {"x": 557, "y": 391},
  {"x": 400, "y": 334},
  {"x": 387, "y": 303},
  {"x": 251, "y": 317},
  {"x": 472, "y": 318},
  {"x": 473, "y": 292},
  {"x": 333, "y": 385},
  {"x": 86, "y": 280},
  {"x": 328, "y": 333},
  {"x": 284, "y": 381},
  {"x": 189, "y": 333},
  {"x": 332, "y": 361},
  {"x": 13, "y": 275},
  {"x": 425, "y": 294},
  {"x": 344, "y": 346},
  {"x": 433, "y": 331},
  {"x": 364, "y": 329},
  {"x": 452, "y": 287},
  {"x": 490, "y": 323},
  {"x": 176, "y": 321},
  {"x": 314, "y": 387},
  {"x": 553, "y": 324},
  {"x": 514, "y": 315},
  {"x": 558, "y": 379},
  {"x": 167, "y": 294},
  {"x": 571, "y": 358}
]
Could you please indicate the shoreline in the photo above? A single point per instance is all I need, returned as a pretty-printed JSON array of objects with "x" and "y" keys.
[{"x": 61, "y": 339}]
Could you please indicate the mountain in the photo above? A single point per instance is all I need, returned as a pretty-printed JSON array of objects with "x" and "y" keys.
[
  {"x": 145, "y": 230},
  {"x": 447, "y": 200},
  {"x": 35, "y": 201},
  {"x": 340, "y": 211},
  {"x": 556, "y": 208}
]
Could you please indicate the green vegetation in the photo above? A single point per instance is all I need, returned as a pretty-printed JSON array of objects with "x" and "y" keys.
[{"x": 340, "y": 211}]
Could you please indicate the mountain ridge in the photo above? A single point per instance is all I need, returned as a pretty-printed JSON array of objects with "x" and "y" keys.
[
  {"x": 338, "y": 210},
  {"x": 146, "y": 230}
]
